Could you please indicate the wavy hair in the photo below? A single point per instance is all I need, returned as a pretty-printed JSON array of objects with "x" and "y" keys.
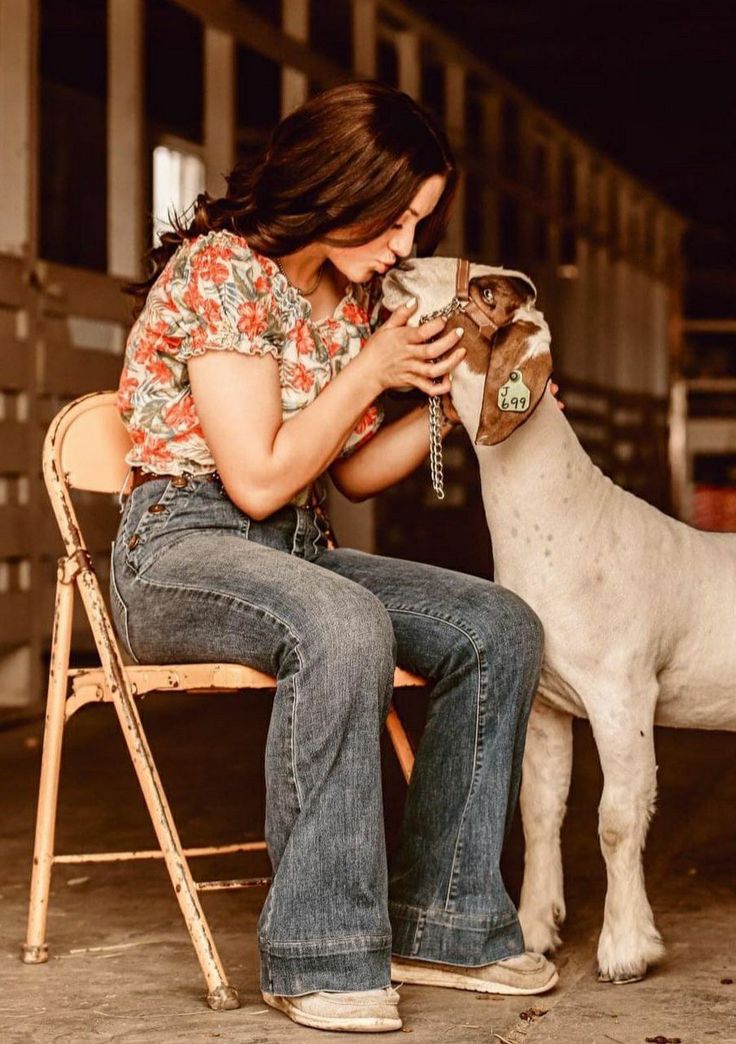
[{"x": 340, "y": 169}]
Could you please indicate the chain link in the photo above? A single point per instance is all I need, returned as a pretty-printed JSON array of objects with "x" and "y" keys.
[
  {"x": 435, "y": 409},
  {"x": 435, "y": 446}
]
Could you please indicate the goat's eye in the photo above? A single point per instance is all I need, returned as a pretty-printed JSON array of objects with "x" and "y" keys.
[{"x": 488, "y": 296}]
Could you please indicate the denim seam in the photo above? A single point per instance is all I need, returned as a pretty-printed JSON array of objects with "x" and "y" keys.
[
  {"x": 477, "y": 744},
  {"x": 420, "y": 915},
  {"x": 373, "y": 942},
  {"x": 418, "y": 933},
  {"x": 297, "y": 531},
  {"x": 292, "y": 738},
  {"x": 317, "y": 536},
  {"x": 123, "y": 607}
]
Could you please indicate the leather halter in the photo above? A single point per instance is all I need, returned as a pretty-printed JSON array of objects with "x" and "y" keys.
[{"x": 486, "y": 327}]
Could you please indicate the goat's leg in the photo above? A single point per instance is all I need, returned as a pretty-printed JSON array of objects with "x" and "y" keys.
[
  {"x": 544, "y": 787},
  {"x": 629, "y": 942}
]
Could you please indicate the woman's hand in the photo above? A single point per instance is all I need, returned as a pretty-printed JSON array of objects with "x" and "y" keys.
[{"x": 401, "y": 355}]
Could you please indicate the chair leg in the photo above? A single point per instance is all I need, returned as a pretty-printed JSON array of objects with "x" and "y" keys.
[
  {"x": 35, "y": 949},
  {"x": 400, "y": 740},
  {"x": 221, "y": 994}
]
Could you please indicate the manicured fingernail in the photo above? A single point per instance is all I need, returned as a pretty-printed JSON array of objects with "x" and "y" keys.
[
  {"x": 459, "y": 331},
  {"x": 410, "y": 302}
]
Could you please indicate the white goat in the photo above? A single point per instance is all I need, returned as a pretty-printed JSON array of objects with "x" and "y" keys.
[{"x": 639, "y": 610}]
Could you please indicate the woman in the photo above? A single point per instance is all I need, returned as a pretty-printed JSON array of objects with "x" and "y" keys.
[{"x": 263, "y": 311}]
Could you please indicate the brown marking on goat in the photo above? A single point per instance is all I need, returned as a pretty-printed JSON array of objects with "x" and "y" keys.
[
  {"x": 509, "y": 294},
  {"x": 477, "y": 347},
  {"x": 511, "y": 352}
]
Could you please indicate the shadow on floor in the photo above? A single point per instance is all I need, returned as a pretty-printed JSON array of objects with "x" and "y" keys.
[{"x": 121, "y": 966}]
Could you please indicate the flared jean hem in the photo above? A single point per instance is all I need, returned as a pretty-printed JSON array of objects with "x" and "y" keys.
[
  {"x": 466, "y": 940},
  {"x": 290, "y": 973}
]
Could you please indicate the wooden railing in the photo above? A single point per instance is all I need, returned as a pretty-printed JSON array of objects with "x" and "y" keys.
[{"x": 62, "y": 332}]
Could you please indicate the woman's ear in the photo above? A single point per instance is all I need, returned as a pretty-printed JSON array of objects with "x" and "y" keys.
[{"x": 519, "y": 368}]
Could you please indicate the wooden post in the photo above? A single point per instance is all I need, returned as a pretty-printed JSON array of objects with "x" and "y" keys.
[
  {"x": 491, "y": 211},
  {"x": 573, "y": 356},
  {"x": 125, "y": 146},
  {"x": 410, "y": 63},
  {"x": 364, "y": 38},
  {"x": 219, "y": 108},
  {"x": 554, "y": 175},
  {"x": 18, "y": 125},
  {"x": 294, "y": 83},
  {"x": 526, "y": 221},
  {"x": 454, "y": 242},
  {"x": 20, "y": 667}
]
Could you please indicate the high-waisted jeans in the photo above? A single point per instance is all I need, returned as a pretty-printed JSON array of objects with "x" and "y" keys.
[{"x": 195, "y": 579}]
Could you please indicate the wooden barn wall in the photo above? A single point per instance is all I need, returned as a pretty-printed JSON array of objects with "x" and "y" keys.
[
  {"x": 62, "y": 332},
  {"x": 603, "y": 250}
]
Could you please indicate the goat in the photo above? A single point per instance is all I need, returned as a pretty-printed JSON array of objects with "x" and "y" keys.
[{"x": 639, "y": 610}]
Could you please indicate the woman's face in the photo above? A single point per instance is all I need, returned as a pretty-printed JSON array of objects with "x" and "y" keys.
[{"x": 359, "y": 263}]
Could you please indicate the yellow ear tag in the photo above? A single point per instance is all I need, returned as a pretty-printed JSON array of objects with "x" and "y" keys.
[{"x": 514, "y": 396}]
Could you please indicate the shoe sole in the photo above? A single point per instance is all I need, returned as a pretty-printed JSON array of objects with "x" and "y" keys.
[
  {"x": 368, "y": 1025},
  {"x": 418, "y": 976}
]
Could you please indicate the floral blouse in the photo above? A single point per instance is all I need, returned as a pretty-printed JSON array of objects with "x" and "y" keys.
[{"x": 217, "y": 294}]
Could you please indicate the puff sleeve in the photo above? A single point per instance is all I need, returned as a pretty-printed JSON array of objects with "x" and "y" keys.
[{"x": 220, "y": 293}]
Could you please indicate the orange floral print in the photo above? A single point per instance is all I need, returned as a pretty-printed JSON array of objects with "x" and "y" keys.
[{"x": 217, "y": 294}]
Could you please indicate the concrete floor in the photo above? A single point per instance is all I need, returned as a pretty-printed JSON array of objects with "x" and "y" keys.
[{"x": 122, "y": 969}]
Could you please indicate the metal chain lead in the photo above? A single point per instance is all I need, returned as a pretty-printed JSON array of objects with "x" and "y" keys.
[
  {"x": 435, "y": 446},
  {"x": 435, "y": 410}
]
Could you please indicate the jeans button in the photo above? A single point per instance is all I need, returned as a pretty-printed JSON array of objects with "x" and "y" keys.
[
  {"x": 133, "y": 542},
  {"x": 179, "y": 481},
  {"x": 156, "y": 509}
]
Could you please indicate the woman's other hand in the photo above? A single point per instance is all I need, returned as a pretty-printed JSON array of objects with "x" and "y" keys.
[
  {"x": 554, "y": 388},
  {"x": 401, "y": 355}
]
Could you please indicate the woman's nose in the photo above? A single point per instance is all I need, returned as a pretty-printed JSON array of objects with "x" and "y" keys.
[{"x": 401, "y": 242}]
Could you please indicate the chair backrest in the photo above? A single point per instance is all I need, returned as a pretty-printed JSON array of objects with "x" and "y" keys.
[
  {"x": 85, "y": 449},
  {"x": 89, "y": 441}
]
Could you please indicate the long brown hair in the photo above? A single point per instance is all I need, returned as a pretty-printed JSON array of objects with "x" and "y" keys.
[{"x": 349, "y": 161}]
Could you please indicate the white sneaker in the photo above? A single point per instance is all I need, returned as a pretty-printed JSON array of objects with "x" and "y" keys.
[
  {"x": 526, "y": 974},
  {"x": 361, "y": 1011}
]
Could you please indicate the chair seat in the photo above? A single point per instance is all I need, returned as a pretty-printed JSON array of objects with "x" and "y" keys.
[{"x": 89, "y": 685}]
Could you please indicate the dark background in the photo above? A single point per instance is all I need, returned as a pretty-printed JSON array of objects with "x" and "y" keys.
[{"x": 649, "y": 83}]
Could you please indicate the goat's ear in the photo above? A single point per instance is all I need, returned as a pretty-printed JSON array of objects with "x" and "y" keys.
[{"x": 520, "y": 367}]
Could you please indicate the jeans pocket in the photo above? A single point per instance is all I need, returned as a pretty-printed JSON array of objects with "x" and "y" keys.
[{"x": 119, "y": 609}]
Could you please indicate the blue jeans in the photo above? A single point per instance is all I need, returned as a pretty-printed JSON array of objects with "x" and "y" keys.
[{"x": 195, "y": 579}]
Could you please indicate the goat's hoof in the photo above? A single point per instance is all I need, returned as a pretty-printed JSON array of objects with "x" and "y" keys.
[
  {"x": 620, "y": 980},
  {"x": 628, "y": 959},
  {"x": 541, "y": 938},
  {"x": 540, "y": 924}
]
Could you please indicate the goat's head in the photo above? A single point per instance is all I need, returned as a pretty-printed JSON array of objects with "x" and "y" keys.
[{"x": 507, "y": 364}]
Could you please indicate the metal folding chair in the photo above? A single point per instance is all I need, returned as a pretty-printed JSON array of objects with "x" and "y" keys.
[{"x": 84, "y": 449}]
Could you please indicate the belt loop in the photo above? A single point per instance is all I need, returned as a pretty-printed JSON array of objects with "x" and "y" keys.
[{"x": 122, "y": 493}]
